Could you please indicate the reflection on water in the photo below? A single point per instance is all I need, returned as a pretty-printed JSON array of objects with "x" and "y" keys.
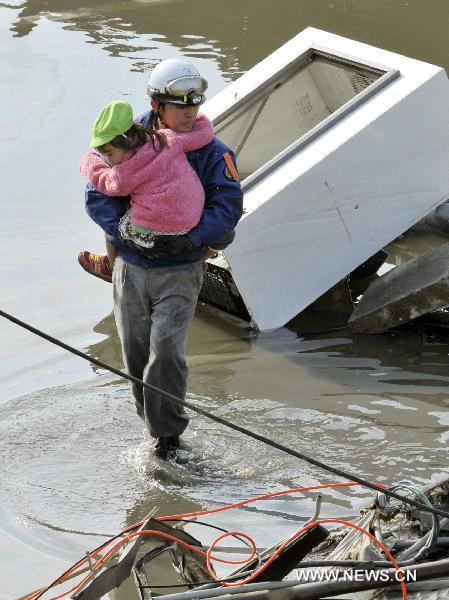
[
  {"x": 133, "y": 29},
  {"x": 239, "y": 34},
  {"x": 108, "y": 350}
]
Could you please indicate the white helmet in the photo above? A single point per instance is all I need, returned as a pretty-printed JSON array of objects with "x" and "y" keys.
[{"x": 176, "y": 81}]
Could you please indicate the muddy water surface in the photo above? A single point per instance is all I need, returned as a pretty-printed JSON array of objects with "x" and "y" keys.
[{"x": 74, "y": 460}]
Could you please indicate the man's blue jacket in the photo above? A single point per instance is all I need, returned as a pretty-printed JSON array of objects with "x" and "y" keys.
[{"x": 222, "y": 210}]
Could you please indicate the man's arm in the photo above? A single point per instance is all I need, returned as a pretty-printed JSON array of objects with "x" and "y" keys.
[
  {"x": 106, "y": 212},
  {"x": 215, "y": 165}
]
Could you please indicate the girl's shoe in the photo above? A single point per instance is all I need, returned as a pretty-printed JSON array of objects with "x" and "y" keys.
[{"x": 95, "y": 264}]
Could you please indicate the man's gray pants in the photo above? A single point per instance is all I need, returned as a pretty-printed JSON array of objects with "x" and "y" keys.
[{"x": 153, "y": 310}]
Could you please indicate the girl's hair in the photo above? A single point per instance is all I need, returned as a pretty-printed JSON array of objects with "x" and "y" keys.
[{"x": 135, "y": 137}]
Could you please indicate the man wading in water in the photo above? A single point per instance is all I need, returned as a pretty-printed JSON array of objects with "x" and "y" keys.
[{"x": 155, "y": 293}]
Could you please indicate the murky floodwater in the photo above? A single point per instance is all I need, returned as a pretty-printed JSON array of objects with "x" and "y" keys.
[{"x": 74, "y": 460}]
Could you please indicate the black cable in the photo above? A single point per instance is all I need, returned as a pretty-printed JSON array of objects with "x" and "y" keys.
[
  {"x": 224, "y": 580},
  {"x": 217, "y": 581},
  {"x": 234, "y": 577},
  {"x": 132, "y": 528},
  {"x": 193, "y": 522},
  {"x": 356, "y": 564},
  {"x": 402, "y": 544},
  {"x": 140, "y": 586},
  {"x": 204, "y": 413}
]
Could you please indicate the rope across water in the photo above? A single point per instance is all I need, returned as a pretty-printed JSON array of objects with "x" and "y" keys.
[{"x": 335, "y": 471}]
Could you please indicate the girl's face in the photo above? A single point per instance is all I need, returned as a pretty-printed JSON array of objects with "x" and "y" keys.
[{"x": 112, "y": 154}]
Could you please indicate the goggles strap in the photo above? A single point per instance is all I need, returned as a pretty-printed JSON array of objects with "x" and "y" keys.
[{"x": 192, "y": 98}]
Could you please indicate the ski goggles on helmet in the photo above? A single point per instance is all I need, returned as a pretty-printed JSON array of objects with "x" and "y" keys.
[
  {"x": 181, "y": 86},
  {"x": 185, "y": 90}
]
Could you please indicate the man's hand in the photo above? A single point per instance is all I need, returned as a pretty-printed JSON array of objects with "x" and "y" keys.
[
  {"x": 168, "y": 245},
  {"x": 209, "y": 254}
]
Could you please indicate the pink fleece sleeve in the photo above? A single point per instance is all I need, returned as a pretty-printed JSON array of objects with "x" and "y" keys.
[
  {"x": 105, "y": 179},
  {"x": 201, "y": 134}
]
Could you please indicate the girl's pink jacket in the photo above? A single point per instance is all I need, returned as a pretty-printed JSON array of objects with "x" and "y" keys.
[{"x": 166, "y": 193}]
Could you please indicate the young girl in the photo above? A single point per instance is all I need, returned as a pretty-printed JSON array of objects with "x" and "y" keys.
[{"x": 167, "y": 197}]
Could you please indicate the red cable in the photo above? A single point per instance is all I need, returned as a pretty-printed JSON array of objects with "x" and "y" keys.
[
  {"x": 155, "y": 533},
  {"x": 258, "y": 571},
  {"x": 195, "y": 514},
  {"x": 263, "y": 497},
  {"x": 296, "y": 535}
]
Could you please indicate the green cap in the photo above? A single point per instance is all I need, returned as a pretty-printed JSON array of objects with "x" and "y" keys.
[{"x": 114, "y": 119}]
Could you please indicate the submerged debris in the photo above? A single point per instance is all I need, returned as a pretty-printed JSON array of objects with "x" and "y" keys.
[{"x": 408, "y": 291}]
